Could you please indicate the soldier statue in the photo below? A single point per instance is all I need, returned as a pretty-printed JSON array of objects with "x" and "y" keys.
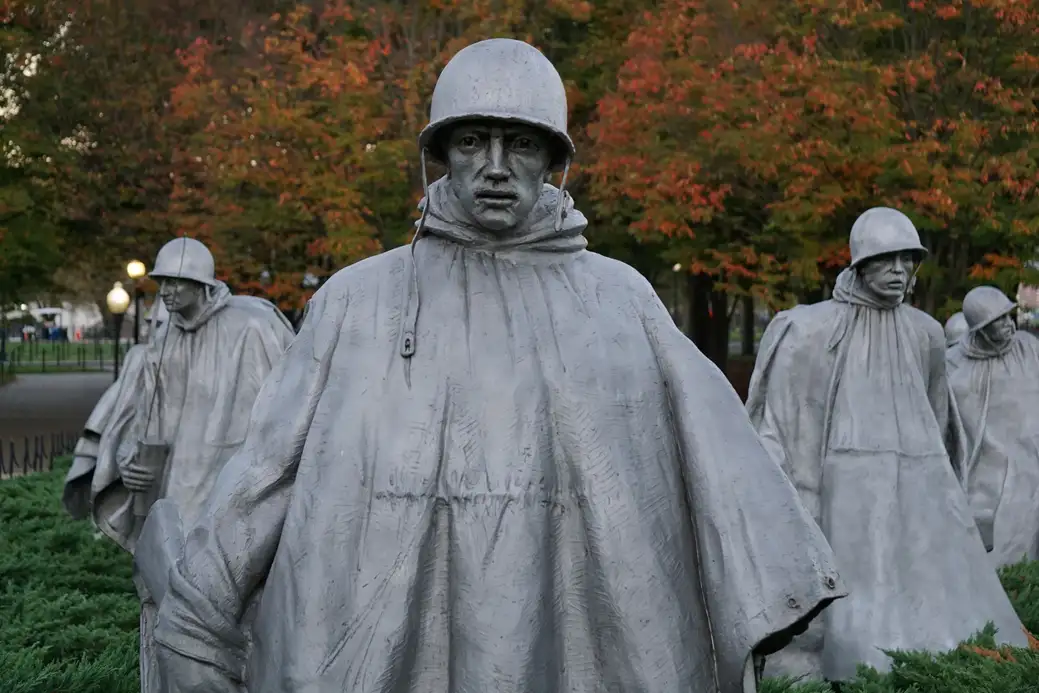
[
  {"x": 850, "y": 395},
  {"x": 181, "y": 408},
  {"x": 491, "y": 462},
  {"x": 994, "y": 379}
]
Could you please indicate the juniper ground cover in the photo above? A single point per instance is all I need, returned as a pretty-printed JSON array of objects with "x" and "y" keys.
[{"x": 69, "y": 615}]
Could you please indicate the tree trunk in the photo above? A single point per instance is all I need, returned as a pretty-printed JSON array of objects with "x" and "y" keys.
[
  {"x": 719, "y": 329},
  {"x": 709, "y": 318},
  {"x": 698, "y": 290},
  {"x": 747, "y": 305}
]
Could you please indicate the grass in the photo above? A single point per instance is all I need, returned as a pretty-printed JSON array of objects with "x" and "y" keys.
[{"x": 69, "y": 615}]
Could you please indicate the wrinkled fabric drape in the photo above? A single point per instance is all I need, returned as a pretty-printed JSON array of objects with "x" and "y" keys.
[
  {"x": 207, "y": 372},
  {"x": 996, "y": 389},
  {"x": 556, "y": 492},
  {"x": 76, "y": 496},
  {"x": 850, "y": 395},
  {"x": 192, "y": 386}
]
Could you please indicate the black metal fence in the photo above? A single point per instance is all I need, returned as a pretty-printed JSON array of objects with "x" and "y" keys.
[
  {"x": 35, "y": 453},
  {"x": 47, "y": 357}
]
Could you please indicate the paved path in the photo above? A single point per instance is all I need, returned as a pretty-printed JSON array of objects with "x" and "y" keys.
[{"x": 45, "y": 404}]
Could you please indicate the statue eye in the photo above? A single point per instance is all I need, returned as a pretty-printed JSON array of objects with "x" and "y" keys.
[
  {"x": 524, "y": 144},
  {"x": 469, "y": 141}
]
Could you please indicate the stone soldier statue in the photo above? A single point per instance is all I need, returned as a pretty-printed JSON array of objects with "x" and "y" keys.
[
  {"x": 955, "y": 327},
  {"x": 76, "y": 494},
  {"x": 955, "y": 436},
  {"x": 491, "y": 462},
  {"x": 994, "y": 378},
  {"x": 183, "y": 405},
  {"x": 850, "y": 395}
]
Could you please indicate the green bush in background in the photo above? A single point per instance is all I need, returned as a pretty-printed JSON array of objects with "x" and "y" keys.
[{"x": 69, "y": 615}]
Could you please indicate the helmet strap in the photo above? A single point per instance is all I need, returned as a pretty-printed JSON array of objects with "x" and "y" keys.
[
  {"x": 563, "y": 195},
  {"x": 425, "y": 195}
]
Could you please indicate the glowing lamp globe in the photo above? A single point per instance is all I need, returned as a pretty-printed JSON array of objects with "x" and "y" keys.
[
  {"x": 135, "y": 269},
  {"x": 118, "y": 300}
]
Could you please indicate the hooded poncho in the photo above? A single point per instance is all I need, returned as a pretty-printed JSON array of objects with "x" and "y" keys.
[
  {"x": 996, "y": 389},
  {"x": 206, "y": 372},
  {"x": 210, "y": 369},
  {"x": 76, "y": 496},
  {"x": 851, "y": 396},
  {"x": 555, "y": 492}
]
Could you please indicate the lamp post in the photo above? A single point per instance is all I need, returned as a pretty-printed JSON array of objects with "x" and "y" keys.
[
  {"x": 135, "y": 269},
  {"x": 118, "y": 301}
]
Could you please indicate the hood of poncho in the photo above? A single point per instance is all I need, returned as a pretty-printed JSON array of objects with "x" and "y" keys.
[
  {"x": 218, "y": 297},
  {"x": 443, "y": 216},
  {"x": 447, "y": 219},
  {"x": 852, "y": 288},
  {"x": 977, "y": 345}
]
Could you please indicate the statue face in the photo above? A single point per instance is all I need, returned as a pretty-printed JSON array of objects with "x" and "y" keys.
[
  {"x": 999, "y": 330},
  {"x": 497, "y": 169},
  {"x": 181, "y": 295},
  {"x": 888, "y": 275}
]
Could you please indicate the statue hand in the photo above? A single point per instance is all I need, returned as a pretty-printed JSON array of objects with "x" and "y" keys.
[
  {"x": 185, "y": 675},
  {"x": 137, "y": 478}
]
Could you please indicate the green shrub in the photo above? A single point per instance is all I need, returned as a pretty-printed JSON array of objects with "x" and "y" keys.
[
  {"x": 68, "y": 609},
  {"x": 69, "y": 615}
]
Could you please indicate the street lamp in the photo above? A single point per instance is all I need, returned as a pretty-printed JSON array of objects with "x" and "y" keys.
[
  {"x": 135, "y": 269},
  {"x": 118, "y": 301}
]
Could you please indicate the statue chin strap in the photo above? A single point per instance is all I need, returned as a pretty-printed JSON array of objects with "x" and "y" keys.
[
  {"x": 411, "y": 308},
  {"x": 564, "y": 196}
]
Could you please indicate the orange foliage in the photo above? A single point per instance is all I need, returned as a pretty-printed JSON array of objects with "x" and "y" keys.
[{"x": 770, "y": 125}]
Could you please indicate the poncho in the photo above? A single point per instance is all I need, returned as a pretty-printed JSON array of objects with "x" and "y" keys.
[
  {"x": 556, "y": 492},
  {"x": 210, "y": 369},
  {"x": 996, "y": 389},
  {"x": 851, "y": 396},
  {"x": 76, "y": 496}
]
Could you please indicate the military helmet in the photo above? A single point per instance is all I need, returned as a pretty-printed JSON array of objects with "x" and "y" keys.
[
  {"x": 184, "y": 258},
  {"x": 880, "y": 231},
  {"x": 983, "y": 305},
  {"x": 501, "y": 79},
  {"x": 955, "y": 327}
]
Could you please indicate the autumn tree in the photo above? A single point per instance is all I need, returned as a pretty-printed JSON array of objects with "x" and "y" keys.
[
  {"x": 750, "y": 136},
  {"x": 302, "y": 155}
]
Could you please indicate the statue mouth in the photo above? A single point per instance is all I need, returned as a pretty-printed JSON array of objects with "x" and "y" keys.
[{"x": 496, "y": 198}]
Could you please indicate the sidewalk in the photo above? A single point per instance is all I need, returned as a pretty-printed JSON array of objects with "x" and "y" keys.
[{"x": 46, "y": 404}]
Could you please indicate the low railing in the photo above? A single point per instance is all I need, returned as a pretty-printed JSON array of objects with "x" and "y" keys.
[
  {"x": 35, "y": 453},
  {"x": 53, "y": 357}
]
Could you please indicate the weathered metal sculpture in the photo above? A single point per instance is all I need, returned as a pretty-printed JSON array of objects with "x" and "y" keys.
[
  {"x": 994, "y": 378},
  {"x": 491, "y": 462},
  {"x": 850, "y": 395},
  {"x": 181, "y": 407},
  {"x": 955, "y": 328},
  {"x": 76, "y": 494}
]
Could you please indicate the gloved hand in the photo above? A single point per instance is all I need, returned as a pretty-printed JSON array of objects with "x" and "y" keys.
[{"x": 137, "y": 478}]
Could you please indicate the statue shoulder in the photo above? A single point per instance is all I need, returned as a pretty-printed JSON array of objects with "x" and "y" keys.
[
  {"x": 616, "y": 272},
  {"x": 807, "y": 318},
  {"x": 926, "y": 324},
  {"x": 365, "y": 272}
]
